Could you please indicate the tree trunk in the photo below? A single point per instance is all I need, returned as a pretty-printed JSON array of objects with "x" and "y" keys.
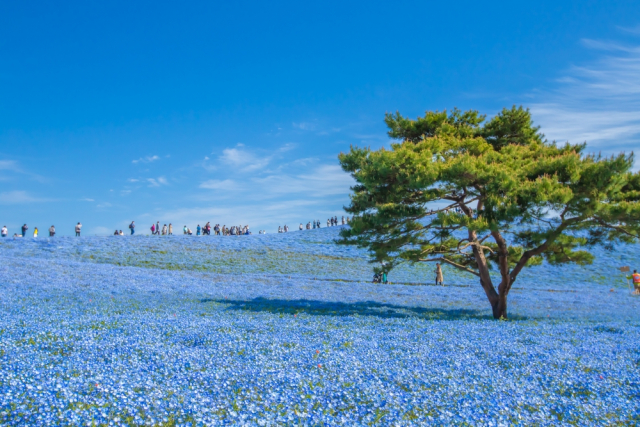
[{"x": 499, "y": 307}]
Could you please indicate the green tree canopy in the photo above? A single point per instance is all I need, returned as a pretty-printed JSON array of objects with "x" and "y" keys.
[{"x": 515, "y": 198}]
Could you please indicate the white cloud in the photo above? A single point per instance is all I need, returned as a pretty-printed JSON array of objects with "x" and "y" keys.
[
  {"x": 245, "y": 160},
  {"x": 87, "y": 200},
  {"x": 325, "y": 180},
  {"x": 147, "y": 159},
  {"x": 12, "y": 167},
  {"x": 9, "y": 165},
  {"x": 133, "y": 180},
  {"x": 305, "y": 161},
  {"x": 19, "y": 197},
  {"x": 157, "y": 182},
  {"x": 598, "y": 103},
  {"x": 104, "y": 205},
  {"x": 633, "y": 30},
  {"x": 287, "y": 147},
  {"x": 304, "y": 125},
  {"x": 216, "y": 184}
]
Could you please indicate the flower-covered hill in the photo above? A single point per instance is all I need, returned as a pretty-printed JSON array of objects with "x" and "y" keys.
[
  {"x": 285, "y": 329},
  {"x": 308, "y": 253}
]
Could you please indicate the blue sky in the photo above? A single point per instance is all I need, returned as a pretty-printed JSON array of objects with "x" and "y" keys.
[{"x": 235, "y": 112}]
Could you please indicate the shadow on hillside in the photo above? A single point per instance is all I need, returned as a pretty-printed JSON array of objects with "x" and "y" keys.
[{"x": 363, "y": 308}]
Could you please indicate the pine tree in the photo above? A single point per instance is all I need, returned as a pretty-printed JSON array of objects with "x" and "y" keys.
[{"x": 507, "y": 198}]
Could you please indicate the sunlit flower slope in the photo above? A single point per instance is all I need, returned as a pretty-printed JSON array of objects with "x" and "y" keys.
[{"x": 286, "y": 329}]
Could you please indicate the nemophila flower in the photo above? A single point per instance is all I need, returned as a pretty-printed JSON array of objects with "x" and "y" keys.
[{"x": 399, "y": 354}]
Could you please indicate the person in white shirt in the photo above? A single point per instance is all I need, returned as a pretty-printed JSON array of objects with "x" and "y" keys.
[
  {"x": 78, "y": 228},
  {"x": 5, "y": 232}
]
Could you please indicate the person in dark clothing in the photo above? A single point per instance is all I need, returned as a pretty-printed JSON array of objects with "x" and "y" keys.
[
  {"x": 24, "y": 230},
  {"x": 132, "y": 227}
]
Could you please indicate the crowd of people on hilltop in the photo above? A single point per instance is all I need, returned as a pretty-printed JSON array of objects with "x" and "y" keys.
[
  {"x": 4, "y": 232},
  {"x": 316, "y": 224},
  {"x": 167, "y": 229}
]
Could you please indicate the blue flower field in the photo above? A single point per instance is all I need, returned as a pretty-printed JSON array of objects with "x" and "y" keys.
[{"x": 286, "y": 329}]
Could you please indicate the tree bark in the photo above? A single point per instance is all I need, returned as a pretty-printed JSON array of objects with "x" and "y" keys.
[{"x": 499, "y": 307}]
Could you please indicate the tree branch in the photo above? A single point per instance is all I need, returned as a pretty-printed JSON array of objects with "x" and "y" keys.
[
  {"x": 527, "y": 255},
  {"x": 456, "y": 265},
  {"x": 614, "y": 227}
]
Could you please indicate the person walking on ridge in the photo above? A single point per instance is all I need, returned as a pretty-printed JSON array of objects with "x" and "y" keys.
[
  {"x": 170, "y": 229},
  {"x": 439, "y": 276},
  {"x": 132, "y": 227},
  {"x": 78, "y": 228}
]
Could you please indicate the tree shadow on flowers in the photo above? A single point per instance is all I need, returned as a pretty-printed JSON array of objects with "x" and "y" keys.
[{"x": 362, "y": 308}]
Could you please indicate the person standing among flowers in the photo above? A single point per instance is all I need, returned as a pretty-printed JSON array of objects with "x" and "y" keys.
[
  {"x": 24, "y": 230},
  {"x": 52, "y": 231},
  {"x": 158, "y": 228},
  {"x": 153, "y": 229},
  {"x": 132, "y": 227},
  {"x": 35, "y": 232},
  {"x": 636, "y": 282},
  {"x": 439, "y": 276},
  {"x": 170, "y": 229},
  {"x": 78, "y": 228},
  {"x": 5, "y": 232}
]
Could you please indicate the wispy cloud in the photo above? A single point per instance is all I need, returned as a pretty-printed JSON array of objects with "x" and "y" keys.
[
  {"x": 147, "y": 159},
  {"x": 20, "y": 197},
  {"x": 157, "y": 182},
  {"x": 632, "y": 30},
  {"x": 216, "y": 184},
  {"x": 598, "y": 103},
  {"x": 325, "y": 180},
  {"x": 12, "y": 168},
  {"x": 244, "y": 160},
  {"x": 9, "y": 165},
  {"x": 304, "y": 125},
  {"x": 87, "y": 200},
  {"x": 287, "y": 147}
]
